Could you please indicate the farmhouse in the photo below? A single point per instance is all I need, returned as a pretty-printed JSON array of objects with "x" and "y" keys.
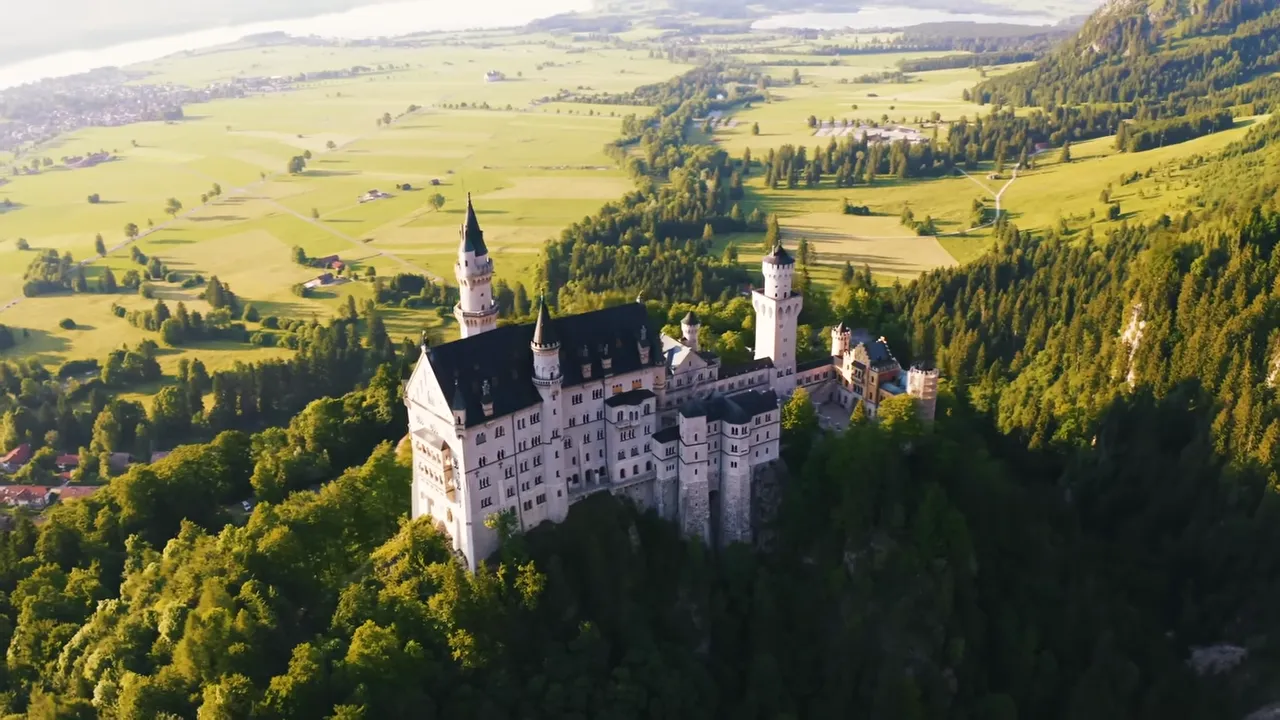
[
  {"x": 35, "y": 497},
  {"x": 15, "y": 458},
  {"x": 374, "y": 194},
  {"x": 67, "y": 493},
  {"x": 67, "y": 462},
  {"x": 494, "y": 76}
]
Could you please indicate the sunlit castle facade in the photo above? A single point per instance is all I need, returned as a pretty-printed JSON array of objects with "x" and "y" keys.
[{"x": 529, "y": 419}]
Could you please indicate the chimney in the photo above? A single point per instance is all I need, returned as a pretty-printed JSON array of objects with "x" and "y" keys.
[
  {"x": 606, "y": 362},
  {"x": 486, "y": 400},
  {"x": 585, "y": 355}
]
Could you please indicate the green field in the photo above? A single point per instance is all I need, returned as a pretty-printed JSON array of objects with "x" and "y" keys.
[{"x": 532, "y": 169}]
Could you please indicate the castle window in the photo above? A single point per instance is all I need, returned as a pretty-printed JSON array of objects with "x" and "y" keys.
[
  {"x": 619, "y": 416},
  {"x": 542, "y": 499},
  {"x": 536, "y": 417},
  {"x": 646, "y": 447},
  {"x": 537, "y": 460},
  {"x": 573, "y": 421},
  {"x": 484, "y": 483},
  {"x": 622, "y": 455},
  {"x": 622, "y": 473},
  {"x": 524, "y": 487},
  {"x": 599, "y": 434},
  {"x": 586, "y": 438},
  {"x": 524, "y": 466},
  {"x": 635, "y": 451},
  {"x": 586, "y": 419},
  {"x": 537, "y": 479},
  {"x": 733, "y": 464},
  {"x": 528, "y": 504},
  {"x": 637, "y": 384},
  {"x": 648, "y": 465},
  {"x": 501, "y": 453},
  {"x": 510, "y": 473},
  {"x": 568, "y": 443},
  {"x": 486, "y": 502},
  {"x": 500, "y": 431},
  {"x": 480, "y": 438},
  {"x": 519, "y": 423},
  {"x": 577, "y": 399},
  {"x": 597, "y": 394},
  {"x": 511, "y": 492},
  {"x": 483, "y": 461},
  {"x": 524, "y": 445}
]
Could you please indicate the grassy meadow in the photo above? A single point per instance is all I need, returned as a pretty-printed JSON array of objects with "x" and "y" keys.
[{"x": 531, "y": 168}]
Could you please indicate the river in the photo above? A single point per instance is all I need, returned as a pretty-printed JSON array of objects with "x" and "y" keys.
[{"x": 397, "y": 18}]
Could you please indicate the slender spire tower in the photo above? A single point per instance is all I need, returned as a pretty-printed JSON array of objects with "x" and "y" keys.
[{"x": 476, "y": 310}]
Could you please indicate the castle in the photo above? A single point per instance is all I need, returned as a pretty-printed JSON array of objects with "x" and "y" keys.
[{"x": 532, "y": 418}]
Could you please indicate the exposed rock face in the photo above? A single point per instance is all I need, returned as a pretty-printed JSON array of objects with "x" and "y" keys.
[
  {"x": 1216, "y": 659},
  {"x": 766, "y": 495},
  {"x": 1131, "y": 336}
]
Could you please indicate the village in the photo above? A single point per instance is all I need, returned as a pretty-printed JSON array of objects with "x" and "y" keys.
[{"x": 33, "y": 113}]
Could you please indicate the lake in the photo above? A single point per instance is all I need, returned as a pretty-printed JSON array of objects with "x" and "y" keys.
[{"x": 397, "y": 18}]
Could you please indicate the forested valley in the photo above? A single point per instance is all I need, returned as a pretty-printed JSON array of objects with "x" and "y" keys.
[{"x": 1096, "y": 499}]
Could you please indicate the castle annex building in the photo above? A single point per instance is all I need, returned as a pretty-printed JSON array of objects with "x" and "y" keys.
[{"x": 532, "y": 418}]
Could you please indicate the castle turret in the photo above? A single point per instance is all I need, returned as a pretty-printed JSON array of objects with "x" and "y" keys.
[
  {"x": 841, "y": 339},
  {"x": 689, "y": 328},
  {"x": 546, "y": 350},
  {"x": 476, "y": 310},
  {"x": 922, "y": 384}
]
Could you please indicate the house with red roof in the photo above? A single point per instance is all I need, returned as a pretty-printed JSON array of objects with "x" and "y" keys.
[
  {"x": 67, "y": 493},
  {"x": 16, "y": 458},
  {"x": 67, "y": 462},
  {"x": 26, "y": 496}
]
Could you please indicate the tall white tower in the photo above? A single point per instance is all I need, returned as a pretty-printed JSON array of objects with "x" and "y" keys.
[
  {"x": 476, "y": 310},
  {"x": 922, "y": 384},
  {"x": 777, "y": 312}
]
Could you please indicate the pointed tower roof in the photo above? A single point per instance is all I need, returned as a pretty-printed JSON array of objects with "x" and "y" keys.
[
  {"x": 544, "y": 333},
  {"x": 472, "y": 235},
  {"x": 690, "y": 318},
  {"x": 779, "y": 256}
]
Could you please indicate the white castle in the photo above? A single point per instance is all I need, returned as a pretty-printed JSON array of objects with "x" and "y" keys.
[{"x": 529, "y": 419}]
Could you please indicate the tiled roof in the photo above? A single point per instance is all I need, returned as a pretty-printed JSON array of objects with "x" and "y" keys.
[
  {"x": 737, "y": 409},
  {"x": 728, "y": 371},
  {"x": 877, "y": 349},
  {"x": 503, "y": 356},
  {"x": 779, "y": 256},
  {"x": 631, "y": 397},
  {"x": 814, "y": 364},
  {"x": 666, "y": 435}
]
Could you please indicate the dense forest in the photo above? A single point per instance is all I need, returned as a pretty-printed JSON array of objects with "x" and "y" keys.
[{"x": 1096, "y": 499}]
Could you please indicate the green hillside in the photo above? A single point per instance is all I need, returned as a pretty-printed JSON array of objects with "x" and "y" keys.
[{"x": 1174, "y": 54}]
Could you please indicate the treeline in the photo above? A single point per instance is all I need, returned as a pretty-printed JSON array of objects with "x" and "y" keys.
[
  {"x": 974, "y": 60},
  {"x": 7, "y": 339},
  {"x": 49, "y": 273},
  {"x": 852, "y": 162},
  {"x": 652, "y": 240},
  {"x": 1137, "y": 137},
  {"x": 65, "y": 412}
]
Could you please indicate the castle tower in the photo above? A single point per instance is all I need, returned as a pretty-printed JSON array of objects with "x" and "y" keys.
[
  {"x": 777, "y": 313},
  {"x": 922, "y": 384},
  {"x": 546, "y": 353},
  {"x": 841, "y": 339},
  {"x": 689, "y": 328},
  {"x": 476, "y": 310},
  {"x": 694, "y": 491}
]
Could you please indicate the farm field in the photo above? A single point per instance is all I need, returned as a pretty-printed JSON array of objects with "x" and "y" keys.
[
  {"x": 783, "y": 120},
  {"x": 532, "y": 168}
]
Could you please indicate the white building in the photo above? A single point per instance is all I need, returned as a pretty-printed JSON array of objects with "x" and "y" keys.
[{"x": 532, "y": 418}]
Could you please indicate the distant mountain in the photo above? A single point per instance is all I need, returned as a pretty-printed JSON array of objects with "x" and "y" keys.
[{"x": 1153, "y": 51}]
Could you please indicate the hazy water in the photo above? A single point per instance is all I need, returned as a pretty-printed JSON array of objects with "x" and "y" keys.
[
  {"x": 398, "y": 18},
  {"x": 873, "y": 17}
]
